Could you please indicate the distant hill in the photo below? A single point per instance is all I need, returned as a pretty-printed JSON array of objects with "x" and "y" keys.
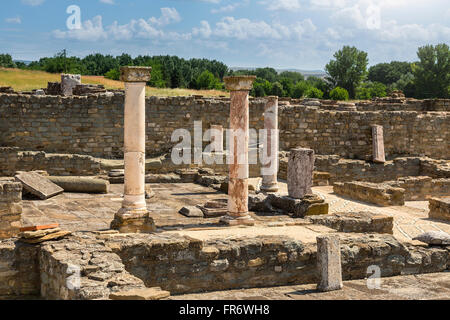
[
  {"x": 24, "y": 61},
  {"x": 306, "y": 73}
]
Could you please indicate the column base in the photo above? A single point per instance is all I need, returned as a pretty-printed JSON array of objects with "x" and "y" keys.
[
  {"x": 270, "y": 188},
  {"x": 133, "y": 221},
  {"x": 246, "y": 220}
]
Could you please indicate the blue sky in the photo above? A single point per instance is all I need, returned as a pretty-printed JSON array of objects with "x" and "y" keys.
[{"x": 301, "y": 34}]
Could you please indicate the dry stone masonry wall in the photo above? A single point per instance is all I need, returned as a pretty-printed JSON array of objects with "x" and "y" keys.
[{"x": 93, "y": 125}]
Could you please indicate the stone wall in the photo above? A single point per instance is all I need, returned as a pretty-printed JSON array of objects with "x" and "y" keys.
[
  {"x": 19, "y": 269},
  {"x": 188, "y": 265},
  {"x": 439, "y": 208},
  {"x": 93, "y": 125},
  {"x": 10, "y": 208},
  {"x": 108, "y": 262},
  {"x": 422, "y": 187},
  {"x": 381, "y": 194}
]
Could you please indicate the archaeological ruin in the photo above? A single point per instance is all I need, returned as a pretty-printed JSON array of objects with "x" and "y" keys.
[{"x": 301, "y": 191}]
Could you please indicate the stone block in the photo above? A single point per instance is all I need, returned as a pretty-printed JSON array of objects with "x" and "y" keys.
[
  {"x": 38, "y": 185},
  {"x": 357, "y": 222},
  {"x": 135, "y": 74},
  {"x": 69, "y": 82},
  {"x": 439, "y": 208},
  {"x": 140, "y": 294},
  {"x": 329, "y": 263},
  {"x": 191, "y": 212},
  {"x": 379, "y": 193},
  {"x": 300, "y": 172}
]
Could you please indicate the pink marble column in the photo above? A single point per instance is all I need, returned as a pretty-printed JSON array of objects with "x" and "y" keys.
[
  {"x": 134, "y": 216},
  {"x": 269, "y": 171},
  {"x": 238, "y": 160}
]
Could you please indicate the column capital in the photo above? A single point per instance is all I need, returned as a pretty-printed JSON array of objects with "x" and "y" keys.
[
  {"x": 239, "y": 83},
  {"x": 135, "y": 74}
]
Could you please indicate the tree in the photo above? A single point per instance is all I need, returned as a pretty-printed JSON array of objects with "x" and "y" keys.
[
  {"x": 388, "y": 73},
  {"x": 405, "y": 84},
  {"x": 339, "y": 93},
  {"x": 300, "y": 89},
  {"x": 6, "y": 61},
  {"x": 294, "y": 76},
  {"x": 206, "y": 80},
  {"x": 348, "y": 69},
  {"x": 277, "y": 89},
  {"x": 432, "y": 72},
  {"x": 369, "y": 90}
]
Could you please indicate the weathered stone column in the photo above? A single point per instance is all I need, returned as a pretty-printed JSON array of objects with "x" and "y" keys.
[
  {"x": 329, "y": 263},
  {"x": 269, "y": 171},
  {"x": 134, "y": 216},
  {"x": 300, "y": 172},
  {"x": 378, "y": 144},
  {"x": 238, "y": 157}
]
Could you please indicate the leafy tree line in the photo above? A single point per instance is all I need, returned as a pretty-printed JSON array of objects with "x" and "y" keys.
[{"x": 348, "y": 75}]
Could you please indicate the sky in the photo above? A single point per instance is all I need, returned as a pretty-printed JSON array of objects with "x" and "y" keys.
[{"x": 300, "y": 34}]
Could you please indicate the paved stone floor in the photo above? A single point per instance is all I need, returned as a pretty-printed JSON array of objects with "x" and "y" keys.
[
  {"x": 94, "y": 212},
  {"x": 433, "y": 286}
]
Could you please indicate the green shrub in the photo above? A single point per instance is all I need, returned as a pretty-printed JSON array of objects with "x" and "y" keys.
[
  {"x": 314, "y": 93},
  {"x": 339, "y": 93},
  {"x": 113, "y": 74}
]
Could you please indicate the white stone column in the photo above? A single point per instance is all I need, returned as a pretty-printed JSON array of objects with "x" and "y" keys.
[
  {"x": 269, "y": 171},
  {"x": 238, "y": 154},
  {"x": 378, "y": 144},
  {"x": 134, "y": 216},
  {"x": 217, "y": 138}
]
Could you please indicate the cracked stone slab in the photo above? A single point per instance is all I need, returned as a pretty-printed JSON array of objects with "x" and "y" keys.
[{"x": 38, "y": 185}]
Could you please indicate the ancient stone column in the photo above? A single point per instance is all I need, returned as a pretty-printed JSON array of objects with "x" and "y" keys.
[
  {"x": 269, "y": 171},
  {"x": 300, "y": 172},
  {"x": 238, "y": 157},
  {"x": 378, "y": 144},
  {"x": 134, "y": 216},
  {"x": 217, "y": 138},
  {"x": 329, "y": 263}
]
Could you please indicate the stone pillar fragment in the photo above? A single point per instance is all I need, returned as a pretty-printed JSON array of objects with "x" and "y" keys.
[
  {"x": 68, "y": 83},
  {"x": 378, "y": 144},
  {"x": 300, "y": 172},
  {"x": 238, "y": 157},
  {"x": 269, "y": 171},
  {"x": 329, "y": 263},
  {"x": 10, "y": 208},
  {"x": 217, "y": 138},
  {"x": 134, "y": 216}
]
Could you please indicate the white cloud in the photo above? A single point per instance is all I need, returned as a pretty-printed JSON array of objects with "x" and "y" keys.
[
  {"x": 246, "y": 29},
  {"x": 204, "y": 30},
  {"x": 14, "y": 20},
  {"x": 289, "y": 5},
  {"x": 33, "y": 3},
  {"x": 108, "y": 1},
  {"x": 168, "y": 16},
  {"x": 93, "y": 30}
]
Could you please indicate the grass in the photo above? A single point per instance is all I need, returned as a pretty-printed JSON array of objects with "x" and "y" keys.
[{"x": 27, "y": 80}]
